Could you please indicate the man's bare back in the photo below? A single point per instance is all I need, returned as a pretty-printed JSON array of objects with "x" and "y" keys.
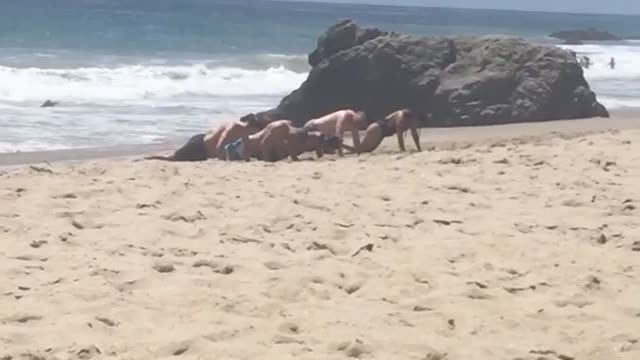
[
  {"x": 232, "y": 132},
  {"x": 268, "y": 143},
  {"x": 337, "y": 123}
]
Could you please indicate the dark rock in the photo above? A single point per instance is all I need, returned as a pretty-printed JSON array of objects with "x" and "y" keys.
[
  {"x": 588, "y": 34},
  {"x": 343, "y": 35},
  {"x": 573, "y": 42},
  {"x": 49, "y": 103},
  {"x": 455, "y": 80}
]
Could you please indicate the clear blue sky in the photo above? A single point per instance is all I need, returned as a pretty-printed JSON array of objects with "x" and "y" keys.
[{"x": 573, "y": 6}]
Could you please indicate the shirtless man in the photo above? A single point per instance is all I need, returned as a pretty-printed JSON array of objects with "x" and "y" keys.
[
  {"x": 247, "y": 125},
  {"x": 201, "y": 147},
  {"x": 301, "y": 141},
  {"x": 397, "y": 123},
  {"x": 277, "y": 141},
  {"x": 337, "y": 123}
]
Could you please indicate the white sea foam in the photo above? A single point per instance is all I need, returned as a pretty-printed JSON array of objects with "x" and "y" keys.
[
  {"x": 619, "y": 103},
  {"x": 627, "y": 58},
  {"x": 133, "y": 83},
  {"x": 135, "y": 102},
  {"x": 619, "y": 87}
]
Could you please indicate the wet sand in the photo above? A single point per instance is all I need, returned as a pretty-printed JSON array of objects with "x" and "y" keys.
[{"x": 522, "y": 242}]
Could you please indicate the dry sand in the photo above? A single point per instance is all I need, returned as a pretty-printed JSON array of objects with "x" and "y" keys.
[{"x": 509, "y": 249}]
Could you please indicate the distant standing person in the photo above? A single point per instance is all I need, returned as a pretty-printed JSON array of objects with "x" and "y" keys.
[
  {"x": 396, "y": 123},
  {"x": 337, "y": 123},
  {"x": 612, "y": 63}
]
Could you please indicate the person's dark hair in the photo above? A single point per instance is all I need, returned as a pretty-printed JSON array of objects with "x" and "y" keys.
[
  {"x": 422, "y": 117},
  {"x": 416, "y": 115},
  {"x": 253, "y": 121},
  {"x": 249, "y": 117}
]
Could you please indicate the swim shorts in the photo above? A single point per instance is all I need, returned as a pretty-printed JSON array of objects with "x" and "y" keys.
[{"x": 235, "y": 151}]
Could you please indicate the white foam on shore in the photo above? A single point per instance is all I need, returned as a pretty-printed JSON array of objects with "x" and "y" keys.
[
  {"x": 616, "y": 88},
  {"x": 136, "y": 101},
  {"x": 137, "y": 83},
  {"x": 627, "y": 58}
]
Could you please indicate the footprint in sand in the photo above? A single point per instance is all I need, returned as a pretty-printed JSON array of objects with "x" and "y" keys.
[
  {"x": 283, "y": 339},
  {"x": 421, "y": 308},
  {"x": 421, "y": 278},
  {"x": 353, "y": 349},
  {"x": 216, "y": 267},
  {"x": 592, "y": 283},
  {"x": 163, "y": 266},
  {"x": 88, "y": 352},
  {"x": 37, "y": 244},
  {"x": 174, "y": 349},
  {"x": 290, "y": 328},
  {"x": 31, "y": 258},
  {"x": 106, "y": 321},
  {"x": 602, "y": 239},
  {"x": 572, "y": 203},
  {"x": 351, "y": 288},
  {"x": 189, "y": 218},
  {"x": 86, "y": 223},
  {"x": 477, "y": 294},
  {"x": 182, "y": 252},
  {"x": 274, "y": 265},
  {"x": 316, "y": 246},
  {"x": 65, "y": 196},
  {"x": 577, "y": 300},
  {"x": 25, "y": 356},
  {"x": 435, "y": 355},
  {"x": 21, "y": 318},
  {"x": 65, "y": 237}
]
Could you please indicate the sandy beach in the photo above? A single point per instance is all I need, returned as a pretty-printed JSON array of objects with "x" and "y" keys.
[{"x": 523, "y": 247}]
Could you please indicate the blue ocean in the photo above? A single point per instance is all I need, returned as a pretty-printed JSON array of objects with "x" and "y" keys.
[{"x": 153, "y": 71}]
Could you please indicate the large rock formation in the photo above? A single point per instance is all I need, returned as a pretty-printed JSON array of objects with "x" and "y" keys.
[
  {"x": 588, "y": 34},
  {"x": 456, "y": 80}
]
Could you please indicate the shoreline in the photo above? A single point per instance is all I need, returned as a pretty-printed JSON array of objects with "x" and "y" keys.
[{"x": 620, "y": 120}]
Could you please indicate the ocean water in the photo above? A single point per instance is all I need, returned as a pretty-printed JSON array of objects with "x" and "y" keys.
[{"x": 149, "y": 71}]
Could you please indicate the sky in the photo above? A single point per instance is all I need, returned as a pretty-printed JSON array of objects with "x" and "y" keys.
[{"x": 574, "y": 6}]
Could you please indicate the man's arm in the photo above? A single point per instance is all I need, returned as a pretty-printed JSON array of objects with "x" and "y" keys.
[
  {"x": 220, "y": 153},
  {"x": 246, "y": 151},
  {"x": 415, "y": 135},
  {"x": 340, "y": 135},
  {"x": 349, "y": 148},
  {"x": 292, "y": 150},
  {"x": 320, "y": 144},
  {"x": 399, "y": 134},
  {"x": 292, "y": 146},
  {"x": 356, "y": 137}
]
